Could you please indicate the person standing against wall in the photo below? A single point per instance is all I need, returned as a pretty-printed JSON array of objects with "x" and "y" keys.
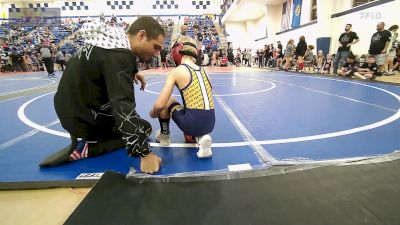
[
  {"x": 379, "y": 45},
  {"x": 393, "y": 45},
  {"x": 289, "y": 54},
  {"x": 346, "y": 40},
  {"x": 301, "y": 49}
]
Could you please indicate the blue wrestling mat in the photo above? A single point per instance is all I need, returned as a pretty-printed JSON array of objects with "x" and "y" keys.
[{"x": 263, "y": 119}]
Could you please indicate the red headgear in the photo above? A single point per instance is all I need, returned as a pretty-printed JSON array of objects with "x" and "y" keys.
[{"x": 177, "y": 53}]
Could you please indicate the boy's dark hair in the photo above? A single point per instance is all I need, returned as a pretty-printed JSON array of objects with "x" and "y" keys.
[
  {"x": 196, "y": 26},
  {"x": 371, "y": 56},
  {"x": 351, "y": 56},
  {"x": 149, "y": 24},
  {"x": 349, "y": 24}
]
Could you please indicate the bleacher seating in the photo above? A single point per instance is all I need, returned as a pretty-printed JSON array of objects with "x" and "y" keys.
[{"x": 207, "y": 27}]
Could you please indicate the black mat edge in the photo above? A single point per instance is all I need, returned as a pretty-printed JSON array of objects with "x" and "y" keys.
[
  {"x": 46, "y": 184},
  {"x": 118, "y": 177}
]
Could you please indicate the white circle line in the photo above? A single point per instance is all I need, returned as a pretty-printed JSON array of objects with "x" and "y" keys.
[
  {"x": 223, "y": 95},
  {"x": 24, "y": 119}
]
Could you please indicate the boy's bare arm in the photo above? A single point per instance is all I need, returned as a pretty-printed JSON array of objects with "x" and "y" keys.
[
  {"x": 164, "y": 96},
  {"x": 363, "y": 70}
]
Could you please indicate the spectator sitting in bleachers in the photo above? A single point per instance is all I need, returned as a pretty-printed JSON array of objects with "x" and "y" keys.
[
  {"x": 35, "y": 62},
  {"x": 349, "y": 67},
  {"x": 272, "y": 61},
  {"x": 326, "y": 66},
  {"x": 319, "y": 62},
  {"x": 16, "y": 61},
  {"x": 40, "y": 62},
  {"x": 368, "y": 70},
  {"x": 309, "y": 57},
  {"x": 363, "y": 58},
  {"x": 5, "y": 46},
  {"x": 279, "y": 59},
  {"x": 27, "y": 63},
  {"x": 396, "y": 61}
]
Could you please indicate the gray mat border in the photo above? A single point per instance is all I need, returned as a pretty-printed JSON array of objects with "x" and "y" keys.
[
  {"x": 258, "y": 171},
  {"x": 26, "y": 185}
]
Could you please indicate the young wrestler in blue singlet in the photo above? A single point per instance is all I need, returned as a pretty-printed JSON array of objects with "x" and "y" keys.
[{"x": 196, "y": 116}]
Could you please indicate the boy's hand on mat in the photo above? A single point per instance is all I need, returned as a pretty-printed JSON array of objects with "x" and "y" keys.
[{"x": 150, "y": 163}]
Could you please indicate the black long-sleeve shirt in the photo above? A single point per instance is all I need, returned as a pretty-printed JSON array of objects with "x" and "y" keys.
[{"x": 98, "y": 78}]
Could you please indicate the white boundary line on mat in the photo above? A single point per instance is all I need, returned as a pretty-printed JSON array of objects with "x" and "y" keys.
[{"x": 27, "y": 121}]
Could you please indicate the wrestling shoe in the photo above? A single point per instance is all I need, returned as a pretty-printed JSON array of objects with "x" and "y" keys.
[
  {"x": 163, "y": 139},
  {"x": 204, "y": 142}
]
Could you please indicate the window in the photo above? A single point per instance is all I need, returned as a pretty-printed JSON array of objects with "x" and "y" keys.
[
  {"x": 361, "y": 2},
  {"x": 313, "y": 10}
]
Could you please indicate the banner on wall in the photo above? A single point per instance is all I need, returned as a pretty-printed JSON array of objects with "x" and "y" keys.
[
  {"x": 286, "y": 9},
  {"x": 296, "y": 13},
  {"x": 3, "y": 13},
  {"x": 32, "y": 17}
]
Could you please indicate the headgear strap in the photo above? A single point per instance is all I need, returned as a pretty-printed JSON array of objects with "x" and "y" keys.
[
  {"x": 189, "y": 53},
  {"x": 190, "y": 44}
]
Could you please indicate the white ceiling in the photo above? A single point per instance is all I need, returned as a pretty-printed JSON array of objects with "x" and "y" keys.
[{"x": 249, "y": 9}]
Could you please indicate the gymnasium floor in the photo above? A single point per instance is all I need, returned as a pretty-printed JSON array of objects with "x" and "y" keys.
[{"x": 264, "y": 119}]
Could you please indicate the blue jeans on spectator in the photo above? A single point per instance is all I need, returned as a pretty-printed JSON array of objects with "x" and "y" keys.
[{"x": 340, "y": 60}]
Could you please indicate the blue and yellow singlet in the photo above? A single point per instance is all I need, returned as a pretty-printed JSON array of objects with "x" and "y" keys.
[
  {"x": 197, "y": 94},
  {"x": 196, "y": 117}
]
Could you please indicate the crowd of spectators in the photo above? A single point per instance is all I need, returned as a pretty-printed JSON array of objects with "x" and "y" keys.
[
  {"x": 20, "y": 45},
  {"x": 21, "y": 48},
  {"x": 200, "y": 28},
  {"x": 383, "y": 56}
]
